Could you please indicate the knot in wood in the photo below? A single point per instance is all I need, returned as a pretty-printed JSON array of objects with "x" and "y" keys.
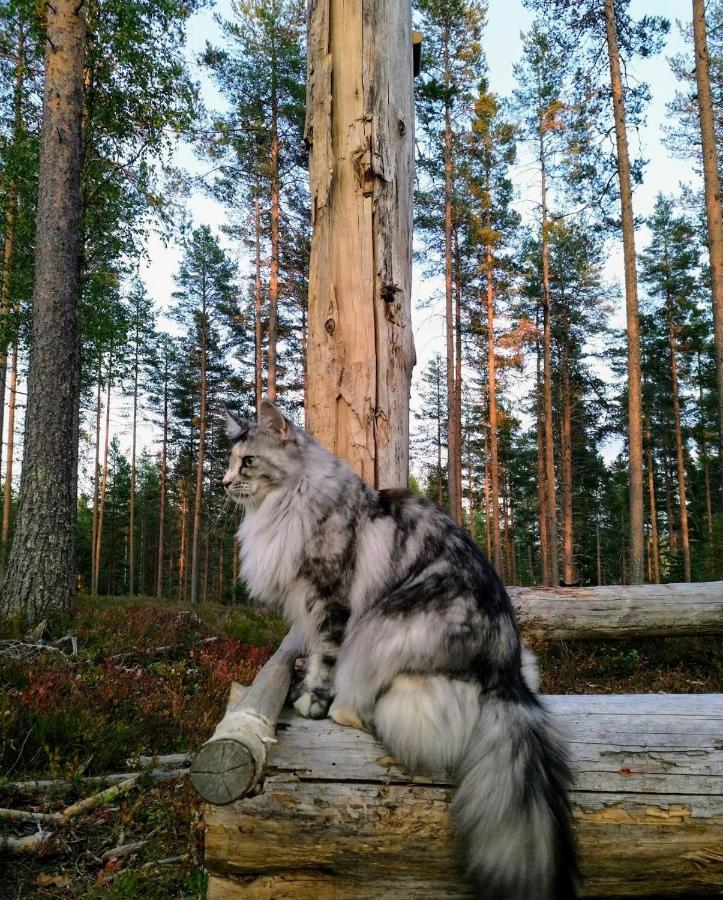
[{"x": 330, "y": 325}]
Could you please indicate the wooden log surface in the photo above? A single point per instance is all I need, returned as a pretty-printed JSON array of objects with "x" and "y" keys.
[
  {"x": 620, "y": 611},
  {"x": 337, "y": 818},
  {"x": 230, "y": 764}
]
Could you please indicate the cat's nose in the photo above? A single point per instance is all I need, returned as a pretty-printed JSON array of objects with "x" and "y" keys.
[{"x": 226, "y": 481}]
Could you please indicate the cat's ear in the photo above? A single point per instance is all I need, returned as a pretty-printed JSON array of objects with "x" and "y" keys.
[
  {"x": 271, "y": 419},
  {"x": 234, "y": 426}
]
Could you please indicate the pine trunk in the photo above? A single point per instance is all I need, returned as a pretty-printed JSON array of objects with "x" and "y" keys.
[
  {"x": 275, "y": 241},
  {"x": 568, "y": 543},
  {"x": 549, "y": 440},
  {"x": 40, "y": 575},
  {"x": 545, "y": 574},
  {"x": 164, "y": 486},
  {"x": 6, "y": 301},
  {"x": 679, "y": 452},
  {"x": 8, "y": 493},
  {"x": 258, "y": 337},
  {"x": 132, "y": 504},
  {"x": 458, "y": 515},
  {"x": 104, "y": 481},
  {"x": 492, "y": 397},
  {"x": 96, "y": 471},
  {"x": 654, "y": 537},
  {"x": 453, "y": 450},
  {"x": 200, "y": 459},
  {"x": 635, "y": 431},
  {"x": 704, "y": 454},
  {"x": 711, "y": 180},
  {"x": 359, "y": 127}
]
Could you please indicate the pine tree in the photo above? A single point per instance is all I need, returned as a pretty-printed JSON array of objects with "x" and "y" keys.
[{"x": 204, "y": 299}]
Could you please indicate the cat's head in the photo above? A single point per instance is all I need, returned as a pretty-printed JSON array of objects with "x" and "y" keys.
[{"x": 264, "y": 455}]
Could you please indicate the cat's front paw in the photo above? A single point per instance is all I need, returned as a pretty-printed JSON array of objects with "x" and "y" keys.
[
  {"x": 311, "y": 705},
  {"x": 342, "y": 715}
]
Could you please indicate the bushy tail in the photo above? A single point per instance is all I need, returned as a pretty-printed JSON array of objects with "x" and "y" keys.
[{"x": 511, "y": 807}]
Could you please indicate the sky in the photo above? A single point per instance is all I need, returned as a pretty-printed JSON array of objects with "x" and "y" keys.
[
  {"x": 502, "y": 45},
  {"x": 507, "y": 19}
]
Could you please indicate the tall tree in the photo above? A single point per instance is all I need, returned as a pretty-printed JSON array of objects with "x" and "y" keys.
[
  {"x": 454, "y": 63},
  {"x": 712, "y": 193},
  {"x": 360, "y": 127},
  {"x": 205, "y": 295},
  {"x": 41, "y": 568}
]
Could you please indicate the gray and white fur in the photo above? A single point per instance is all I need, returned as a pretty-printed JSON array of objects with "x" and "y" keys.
[{"x": 410, "y": 634}]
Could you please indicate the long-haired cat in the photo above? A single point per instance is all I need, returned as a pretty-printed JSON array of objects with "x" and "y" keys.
[{"x": 410, "y": 634}]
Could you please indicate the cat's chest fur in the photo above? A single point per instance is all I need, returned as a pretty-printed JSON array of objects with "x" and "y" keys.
[{"x": 271, "y": 540}]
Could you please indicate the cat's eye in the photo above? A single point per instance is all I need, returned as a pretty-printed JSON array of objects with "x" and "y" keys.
[{"x": 247, "y": 461}]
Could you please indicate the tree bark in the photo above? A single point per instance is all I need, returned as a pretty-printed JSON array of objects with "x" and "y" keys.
[
  {"x": 635, "y": 432},
  {"x": 258, "y": 337},
  {"x": 6, "y": 301},
  {"x": 104, "y": 480},
  {"x": 679, "y": 453},
  {"x": 453, "y": 450},
  {"x": 164, "y": 483},
  {"x": 492, "y": 388},
  {"x": 568, "y": 542},
  {"x": 359, "y": 127},
  {"x": 132, "y": 503},
  {"x": 198, "y": 500},
  {"x": 654, "y": 537},
  {"x": 40, "y": 575},
  {"x": 711, "y": 180},
  {"x": 545, "y": 575},
  {"x": 8, "y": 493},
  {"x": 275, "y": 239},
  {"x": 704, "y": 453},
  {"x": 96, "y": 473},
  {"x": 549, "y": 441},
  {"x": 458, "y": 514}
]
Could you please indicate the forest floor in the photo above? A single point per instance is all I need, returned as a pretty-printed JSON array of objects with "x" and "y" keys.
[{"x": 117, "y": 681}]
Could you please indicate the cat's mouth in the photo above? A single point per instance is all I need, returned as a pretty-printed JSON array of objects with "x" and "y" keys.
[{"x": 239, "y": 491}]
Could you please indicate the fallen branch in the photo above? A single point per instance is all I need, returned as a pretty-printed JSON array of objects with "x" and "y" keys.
[
  {"x": 24, "y": 846},
  {"x": 123, "y": 850},
  {"x": 23, "y": 815},
  {"x": 103, "y": 798},
  {"x": 40, "y": 786}
]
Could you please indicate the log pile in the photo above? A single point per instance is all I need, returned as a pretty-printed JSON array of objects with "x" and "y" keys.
[{"x": 327, "y": 814}]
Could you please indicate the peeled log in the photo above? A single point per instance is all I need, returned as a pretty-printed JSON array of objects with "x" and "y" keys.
[
  {"x": 620, "y": 611},
  {"x": 230, "y": 764},
  {"x": 337, "y": 819}
]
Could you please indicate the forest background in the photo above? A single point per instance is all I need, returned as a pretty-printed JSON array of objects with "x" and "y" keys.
[{"x": 195, "y": 257}]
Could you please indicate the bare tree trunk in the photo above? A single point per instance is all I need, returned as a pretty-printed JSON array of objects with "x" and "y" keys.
[
  {"x": 672, "y": 528},
  {"x": 453, "y": 450},
  {"x": 8, "y": 493},
  {"x": 164, "y": 484},
  {"x": 183, "y": 538},
  {"x": 360, "y": 125},
  {"x": 598, "y": 553},
  {"x": 275, "y": 238},
  {"x": 6, "y": 302},
  {"x": 679, "y": 457},
  {"x": 98, "y": 404},
  {"x": 546, "y": 575},
  {"x": 258, "y": 337},
  {"x": 132, "y": 504},
  {"x": 104, "y": 479},
  {"x": 40, "y": 575},
  {"x": 704, "y": 454},
  {"x": 458, "y": 516},
  {"x": 551, "y": 499},
  {"x": 712, "y": 194},
  {"x": 635, "y": 431},
  {"x": 492, "y": 396},
  {"x": 568, "y": 543},
  {"x": 200, "y": 459},
  {"x": 654, "y": 537}
]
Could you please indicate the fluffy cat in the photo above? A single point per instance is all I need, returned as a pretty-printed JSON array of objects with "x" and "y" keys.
[{"x": 410, "y": 634}]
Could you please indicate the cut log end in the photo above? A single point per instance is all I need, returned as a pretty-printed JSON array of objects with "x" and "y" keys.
[{"x": 224, "y": 770}]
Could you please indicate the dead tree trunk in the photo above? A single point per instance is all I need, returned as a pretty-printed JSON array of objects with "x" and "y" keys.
[
  {"x": 41, "y": 569},
  {"x": 712, "y": 193},
  {"x": 8, "y": 494},
  {"x": 104, "y": 480},
  {"x": 359, "y": 127},
  {"x": 635, "y": 432}
]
